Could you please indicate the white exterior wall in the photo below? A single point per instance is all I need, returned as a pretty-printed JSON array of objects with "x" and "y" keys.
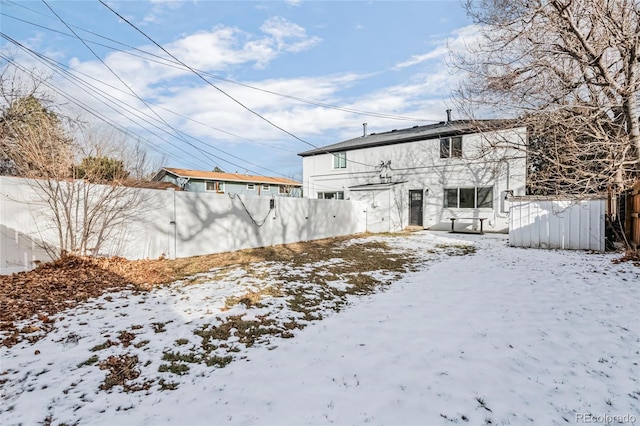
[
  {"x": 419, "y": 164},
  {"x": 204, "y": 223},
  {"x": 558, "y": 224}
]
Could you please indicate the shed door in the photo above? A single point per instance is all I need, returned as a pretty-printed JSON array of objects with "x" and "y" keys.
[{"x": 415, "y": 207}]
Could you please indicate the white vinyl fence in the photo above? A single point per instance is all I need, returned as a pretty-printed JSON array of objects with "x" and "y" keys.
[
  {"x": 557, "y": 224},
  {"x": 176, "y": 224}
]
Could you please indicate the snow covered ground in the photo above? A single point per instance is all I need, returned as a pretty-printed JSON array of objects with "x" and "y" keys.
[{"x": 499, "y": 336}]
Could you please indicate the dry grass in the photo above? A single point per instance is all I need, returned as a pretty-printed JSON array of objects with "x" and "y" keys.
[{"x": 252, "y": 298}]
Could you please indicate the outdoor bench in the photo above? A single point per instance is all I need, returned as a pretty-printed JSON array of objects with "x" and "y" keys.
[{"x": 454, "y": 219}]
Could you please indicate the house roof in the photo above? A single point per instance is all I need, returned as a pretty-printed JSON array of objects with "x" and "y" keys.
[
  {"x": 152, "y": 185},
  {"x": 227, "y": 177},
  {"x": 415, "y": 133}
]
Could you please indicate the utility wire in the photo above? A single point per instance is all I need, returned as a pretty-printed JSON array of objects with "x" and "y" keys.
[
  {"x": 148, "y": 106},
  {"x": 121, "y": 80},
  {"x": 178, "y": 133},
  {"x": 73, "y": 79},
  {"x": 164, "y": 62},
  {"x": 220, "y": 90},
  {"x": 68, "y": 68},
  {"x": 173, "y": 64},
  {"x": 76, "y": 81},
  {"x": 100, "y": 116}
]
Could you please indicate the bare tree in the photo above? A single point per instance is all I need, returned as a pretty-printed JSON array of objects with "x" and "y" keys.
[
  {"x": 99, "y": 141},
  {"x": 570, "y": 71},
  {"x": 76, "y": 216}
]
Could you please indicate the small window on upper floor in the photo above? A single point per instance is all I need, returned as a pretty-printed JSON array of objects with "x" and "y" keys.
[
  {"x": 451, "y": 147},
  {"x": 340, "y": 160},
  {"x": 251, "y": 187},
  {"x": 266, "y": 187}
]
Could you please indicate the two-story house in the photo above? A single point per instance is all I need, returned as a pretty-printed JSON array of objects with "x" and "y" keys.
[
  {"x": 220, "y": 182},
  {"x": 424, "y": 176}
]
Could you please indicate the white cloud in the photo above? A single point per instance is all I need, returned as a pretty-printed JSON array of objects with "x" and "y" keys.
[
  {"x": 287, "y": 35},
  {"x": 417, "y": 59},
  {"x": 160, "y": 8},
  {"x": 423, "y": 94},
  {"x": 217, "y": 50},
  {"x": 458, "y": 42}
]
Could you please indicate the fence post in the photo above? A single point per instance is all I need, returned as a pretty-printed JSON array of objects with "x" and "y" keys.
[{"x": 173, "y": 228}]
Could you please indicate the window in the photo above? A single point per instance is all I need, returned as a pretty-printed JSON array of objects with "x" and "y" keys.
[
  {"x": 469, "y": 198},
  {"x": 340, "y": 160},
  {"x": 451, "y": 197},
  {"x": 451, "y": 147},
  {"x": 266, "y": 187},
  {"x": 212, "y": 185},
  {"x": 284, "y": 189},
  {"x": 339, "y": 195},
  {"x": 251, "y": 187},
  {"x": 485, "y": 197}
]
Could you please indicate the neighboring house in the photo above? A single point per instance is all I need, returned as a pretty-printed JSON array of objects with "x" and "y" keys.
[
  {"x": 218, "y": 182},
  {"x": 425, "y": 175}
]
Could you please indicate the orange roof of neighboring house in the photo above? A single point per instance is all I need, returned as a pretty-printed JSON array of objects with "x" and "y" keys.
[
  {"x": 232, "y": 177},
  {"x": 151, "y": 185}
]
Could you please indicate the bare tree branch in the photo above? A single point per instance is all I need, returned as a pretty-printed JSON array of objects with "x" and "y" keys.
[{"x": 570, "y": 71}]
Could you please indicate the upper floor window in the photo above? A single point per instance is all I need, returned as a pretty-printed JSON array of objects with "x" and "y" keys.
[
  {"x": 340, "y": 160},
  {"x": 251, "y": 187},
  {"x": 266, "y": 187},
  {"x": 214, "y": 185},
  {"x": 451, "y": 147}
]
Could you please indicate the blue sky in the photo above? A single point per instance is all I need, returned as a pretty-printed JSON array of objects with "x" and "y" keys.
[{"x": 381, "y": 63}]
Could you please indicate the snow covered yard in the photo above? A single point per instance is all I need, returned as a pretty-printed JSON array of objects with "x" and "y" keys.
[{"x": 497, "y": 336}]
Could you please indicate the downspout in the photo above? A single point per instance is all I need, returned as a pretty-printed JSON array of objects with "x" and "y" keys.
[
  {"x": 389, "y": 213},
  {"x": 502, "y": 198}
]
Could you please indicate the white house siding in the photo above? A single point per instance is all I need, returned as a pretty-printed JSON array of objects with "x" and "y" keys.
[
  {"x": 176, "y": 224},
  {"x": 557, "y": 224},
  {"x": 418, "y": 166}
]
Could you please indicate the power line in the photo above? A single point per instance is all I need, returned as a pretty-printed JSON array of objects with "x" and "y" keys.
[
  {"x": 61, "y": 65},
  {"x": 217, "y": 88},
  {"x": 90, "y": 110},
  {"x": 120, "y": 79},
  {"x": 55, "y": 66},
  {"x": 165, "y": 62},
  {"x": 74, "y": 80},
  {"x": 178, "y": 133}
]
